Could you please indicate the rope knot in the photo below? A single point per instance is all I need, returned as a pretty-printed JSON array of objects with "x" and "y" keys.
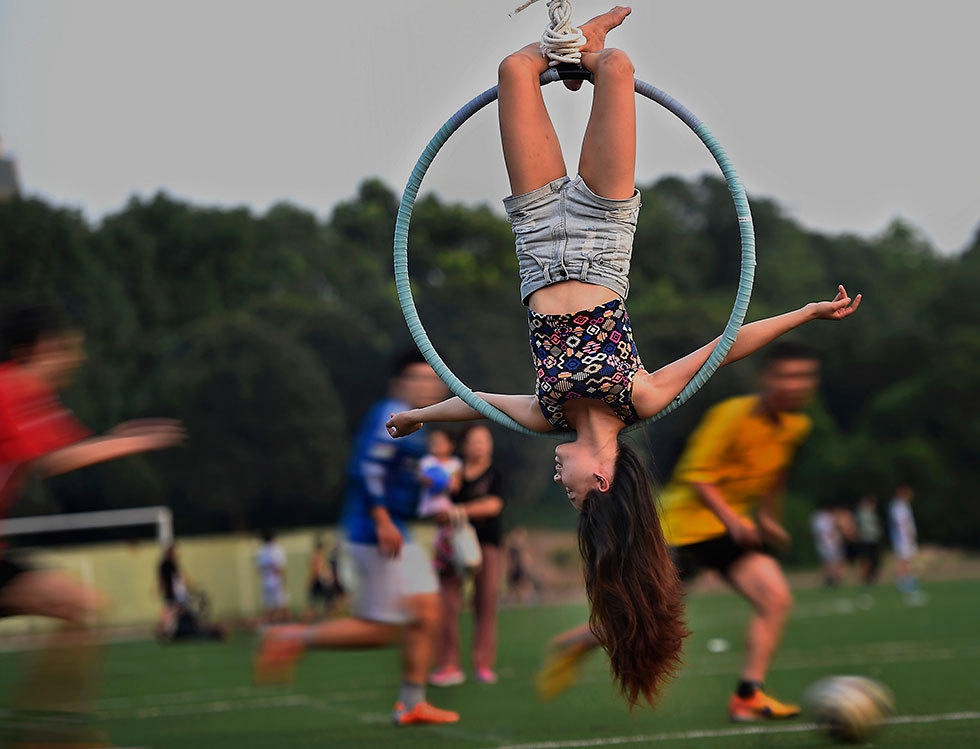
[{"x": 561, "y": 42}]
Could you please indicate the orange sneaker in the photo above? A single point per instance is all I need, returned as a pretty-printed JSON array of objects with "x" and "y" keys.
[
  {"x": 422, "y": 714},
  {"x": 759, "y": 707},
  {"x": 278, "y": 653}
]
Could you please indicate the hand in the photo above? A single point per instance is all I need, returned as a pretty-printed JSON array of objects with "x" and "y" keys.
[
  {"x": 402, "y": 424},
  {"x": 745, "y": 534},
  {"x": 840, "y": 307},
  {"x": 772, "y": 531},
  {"x": 389, "y": 539}
]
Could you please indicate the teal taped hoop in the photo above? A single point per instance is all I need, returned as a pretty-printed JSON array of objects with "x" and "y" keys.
[{"x": 404, "y": 286}]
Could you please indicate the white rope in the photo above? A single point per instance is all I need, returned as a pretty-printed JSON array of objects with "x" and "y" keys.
[{"x": 561, "y": 42}]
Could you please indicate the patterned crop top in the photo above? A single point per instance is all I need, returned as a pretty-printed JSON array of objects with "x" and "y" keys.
[{"x": 587, "y": 354}]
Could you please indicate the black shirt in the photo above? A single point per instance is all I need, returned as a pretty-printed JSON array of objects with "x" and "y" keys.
[
  {"x": 167, "y": 572},
  {"x": 487, "y": 484}
]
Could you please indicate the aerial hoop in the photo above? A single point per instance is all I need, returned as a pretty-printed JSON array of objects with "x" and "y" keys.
[{"x": 403, "y": 282}]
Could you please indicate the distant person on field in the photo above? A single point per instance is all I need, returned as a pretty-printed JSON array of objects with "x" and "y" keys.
[
  {"x": 184, "y": 609},
  {"x": 270, "y": 559},
  {"x": 323, "y": 588},
  {"x": 869, "y": 535},
  {"x": 904, "y": 537},
  {"x": 829, "y": 544}
]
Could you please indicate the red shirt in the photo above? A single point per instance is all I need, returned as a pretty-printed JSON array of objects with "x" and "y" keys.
[{"x": 33, "y": 422}]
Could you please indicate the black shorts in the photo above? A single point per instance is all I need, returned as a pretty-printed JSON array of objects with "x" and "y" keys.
[
  {"x": 718, "y": 554},
  {"x": 10, "y": 569}
]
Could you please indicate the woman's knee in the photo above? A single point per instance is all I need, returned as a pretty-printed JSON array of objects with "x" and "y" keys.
[
  {"x": 615, "y": 62},
  {"x": 515, "y": 66}
]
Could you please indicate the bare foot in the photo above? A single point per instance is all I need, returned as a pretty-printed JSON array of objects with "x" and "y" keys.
[{"x": 594, "y": 31}]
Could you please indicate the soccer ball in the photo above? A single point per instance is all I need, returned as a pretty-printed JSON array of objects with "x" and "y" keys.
[{"x": 849, "y": 708}]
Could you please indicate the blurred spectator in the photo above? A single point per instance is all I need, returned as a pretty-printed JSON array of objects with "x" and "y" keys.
[
  {"x": 440, "y": 473},
  {"x": 480, "y": 500},
  {"x": 522, "y": 582},
  {"x": 270, "y": 559},
  {"x": 323, "y": 588},
  {"x": 869, "y": 538},
  {"x": 904, "y": 537},
  {"x": 184, "y": 615},
  {"x": 829, "y": 543}
]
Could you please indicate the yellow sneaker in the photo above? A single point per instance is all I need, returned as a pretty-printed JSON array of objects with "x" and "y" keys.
[
  {"x": 422, "y": 714},
  {"x": 560, "y": 670},
  {"x": 278, "y": 653},
  {"x": 759, "y": 707}
]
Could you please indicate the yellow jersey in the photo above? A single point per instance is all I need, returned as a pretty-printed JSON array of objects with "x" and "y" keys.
[{"x": 742, "y": 452}]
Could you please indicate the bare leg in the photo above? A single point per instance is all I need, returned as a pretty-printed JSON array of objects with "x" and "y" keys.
[
  {"x": 63, "y": 676},
  {"x": 419, "y": 636},
  {"x": 451, "y": 595},
  {"x": 345, "y": 633},
  {"x": 759, "y": 578},
  {"x": 532, "y": 153},
  {"x": 608, "y": 160},
  {"x": 580, "y": 636},
  {"x": 485, "y": 590}
]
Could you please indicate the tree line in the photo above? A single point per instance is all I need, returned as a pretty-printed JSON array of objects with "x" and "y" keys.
[{"x": 270, "y": 335}]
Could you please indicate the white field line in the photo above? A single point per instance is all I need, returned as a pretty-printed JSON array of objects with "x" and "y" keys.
[
  {"x": 727, "y": 732},
  {"x": 208, "y": 708}
]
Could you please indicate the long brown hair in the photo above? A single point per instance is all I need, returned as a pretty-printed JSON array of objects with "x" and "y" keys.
[{"x": 635, "y": 594}]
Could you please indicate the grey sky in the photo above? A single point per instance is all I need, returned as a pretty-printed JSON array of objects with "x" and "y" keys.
[{"x": 847, "y": 113}]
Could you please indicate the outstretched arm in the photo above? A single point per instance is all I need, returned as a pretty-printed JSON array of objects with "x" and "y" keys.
[
  {"x": 659, "y": 388},
  {"x": 521, "y": 408},
  {"x": 129, "y": 438}
]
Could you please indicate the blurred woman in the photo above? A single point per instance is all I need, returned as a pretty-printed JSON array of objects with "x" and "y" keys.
[{"x": 480, "y": 501}]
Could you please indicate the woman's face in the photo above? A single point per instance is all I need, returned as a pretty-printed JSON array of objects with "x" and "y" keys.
[
  {"x": 578, "y": 471},
  {"x": 478, "y": 444}
]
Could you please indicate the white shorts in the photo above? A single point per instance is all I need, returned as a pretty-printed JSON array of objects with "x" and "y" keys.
[
  {"x": 830, "y": 550},
  {"x": 384, "y": 583},
  {"x": 274, "y": 596},
  {"x": 904, "y": 548}
]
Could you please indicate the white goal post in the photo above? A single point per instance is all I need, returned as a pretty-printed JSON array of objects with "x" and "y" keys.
[{"x": 160, "y": 516}]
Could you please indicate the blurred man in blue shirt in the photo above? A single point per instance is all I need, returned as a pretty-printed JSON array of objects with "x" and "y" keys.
[{"x": 396, "y": 593}]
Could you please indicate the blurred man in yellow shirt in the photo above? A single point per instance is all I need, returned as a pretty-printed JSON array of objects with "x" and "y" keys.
[{"x": 720, "y": 510}]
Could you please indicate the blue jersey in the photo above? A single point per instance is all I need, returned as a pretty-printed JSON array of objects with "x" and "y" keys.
[{"x": 382, "y": 472}]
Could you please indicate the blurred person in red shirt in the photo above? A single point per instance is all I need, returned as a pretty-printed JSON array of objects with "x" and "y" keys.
[{"x": 39, "y": 435}]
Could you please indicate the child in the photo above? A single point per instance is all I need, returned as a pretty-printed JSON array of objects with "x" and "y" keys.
[{"x": 440, "y": 473}]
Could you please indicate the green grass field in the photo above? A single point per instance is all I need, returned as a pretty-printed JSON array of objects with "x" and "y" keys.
[{"x": 199, "y": 695}]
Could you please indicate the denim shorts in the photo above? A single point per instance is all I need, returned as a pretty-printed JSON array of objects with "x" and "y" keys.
[{"x": 564, "y": 232}]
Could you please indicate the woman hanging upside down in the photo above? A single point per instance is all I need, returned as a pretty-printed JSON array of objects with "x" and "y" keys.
[{"x": 574, "y": 241}]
